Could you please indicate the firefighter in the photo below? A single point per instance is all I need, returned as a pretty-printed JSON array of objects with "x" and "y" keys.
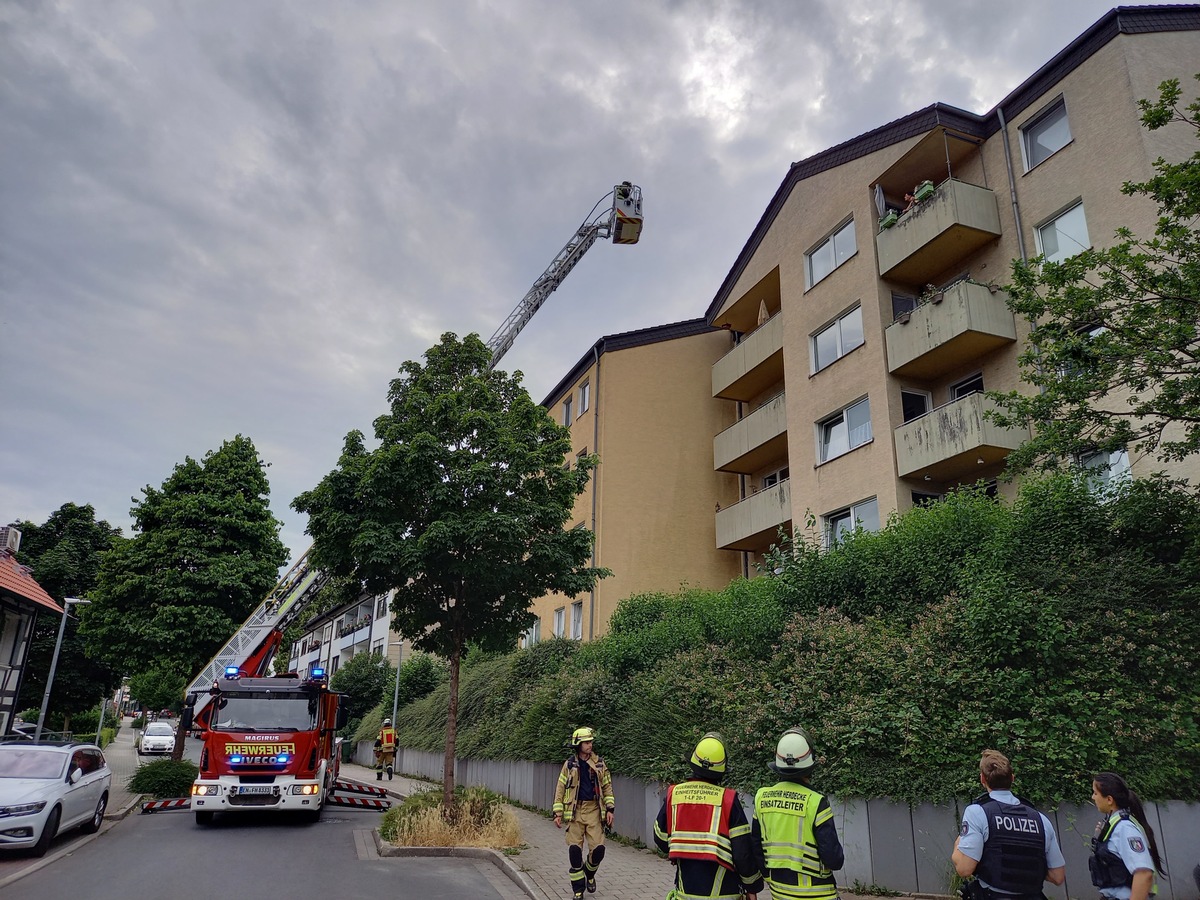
[
  {"x": 794, "y": 836},
  {"x": 1008, "y": 846},
  {"x": 583, "y": 785},
  {"x": 385, "y": 750},
  {"x": 702, "y": 828}
]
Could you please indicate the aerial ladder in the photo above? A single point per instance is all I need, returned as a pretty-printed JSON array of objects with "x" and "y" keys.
[{"x": 250, "y": 651}]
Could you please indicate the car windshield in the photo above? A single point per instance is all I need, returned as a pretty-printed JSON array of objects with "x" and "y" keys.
[
  {"x": 265, "y": 711},
  {"x": 29, "y": 762},
  {"x": 159, "y": 730}
]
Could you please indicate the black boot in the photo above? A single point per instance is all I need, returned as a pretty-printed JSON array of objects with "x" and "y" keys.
[
  {"x": 577, "y": 884},
  {"x": 379, "y": 776},
  {"x": 389, "y": 771}
]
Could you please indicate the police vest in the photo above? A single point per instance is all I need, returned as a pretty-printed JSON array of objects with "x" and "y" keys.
[
  {"x": 698, "y": 822},
  {"x": 788, "y": 816},
  {"x": 1107, "y": 868},
  {"x": 387, "y": 739},
  {"x": 1014, "y": 854}
]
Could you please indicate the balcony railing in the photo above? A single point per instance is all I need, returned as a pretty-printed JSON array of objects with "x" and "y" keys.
[
  {"x": 753, "y": 365},
  {"x": 961, "y": 323},
  {"x": 756, "y": 440},
  {"x": 752, "y": 523},
  {"x": 954, "y": 441},
  {"x": 938, "y": 232}
]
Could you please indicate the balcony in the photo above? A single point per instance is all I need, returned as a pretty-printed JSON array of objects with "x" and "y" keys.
[
  {"x": 938, "y": 233},
  {"x": 964, "y": 322},
  {"x": 753, "y": 523},
  {"x": 954, "y": 441},
  {"x": 753, "y": 365},
  {"x": 756, "y": 440}
]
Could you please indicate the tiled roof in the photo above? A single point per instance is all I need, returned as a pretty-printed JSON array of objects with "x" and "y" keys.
[
  {"x": 1121, "y": 20},
  {"x": 624, "y": 341},
  {"x": 15, "y": 579}
]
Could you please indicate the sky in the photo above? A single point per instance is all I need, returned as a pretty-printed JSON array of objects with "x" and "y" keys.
[{"x": 223, "y": 218}]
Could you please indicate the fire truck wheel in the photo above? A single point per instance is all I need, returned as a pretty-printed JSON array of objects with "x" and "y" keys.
[
  {"x": 314, "y": 815},
  {"x": 204, "y": 818}
]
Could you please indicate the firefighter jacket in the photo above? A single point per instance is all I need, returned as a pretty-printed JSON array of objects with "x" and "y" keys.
[
  {"x": 703, "y": 830},
  {"x": 794, "y": 832},
  {"x": 566, "y": 795},
  {"x": 386, "y": 742}
]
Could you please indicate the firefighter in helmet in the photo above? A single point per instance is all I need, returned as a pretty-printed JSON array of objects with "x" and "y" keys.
[
  {"x": 385, "y": 750},
  {"x": 794, "y": 835},
  {"x": 702, "y": 828},
  {"x": 584, "y": 789}
]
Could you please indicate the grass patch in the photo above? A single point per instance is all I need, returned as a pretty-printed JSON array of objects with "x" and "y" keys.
[
  {"x": 872, "y": 890},
  {"x": 483, "y": 819}
]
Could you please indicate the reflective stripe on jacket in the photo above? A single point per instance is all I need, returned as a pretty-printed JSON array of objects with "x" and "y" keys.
[
  {"x": 698, "y": 822},
  {"x": 788, "y": 815},
  {"x": 387, "y": 739},
  {"x": 566, "y": 795}
]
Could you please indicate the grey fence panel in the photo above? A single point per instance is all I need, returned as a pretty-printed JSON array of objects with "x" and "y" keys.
[
  {"x": 1075, "y": 826},
  {"x": 630, "y": 816},
  {"x": 892, "y": 858},
  {"x": 1178, "y": 840},
  {"x": 546, "y": 781},
  {"x": 934, "y": 830},
  {"x": 853, "y": 827}
]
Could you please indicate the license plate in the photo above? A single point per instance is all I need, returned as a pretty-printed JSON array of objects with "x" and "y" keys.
[{"x": 255, "y": 789}]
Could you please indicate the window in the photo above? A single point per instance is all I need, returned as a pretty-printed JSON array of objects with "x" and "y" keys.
[
  {"x": 566, "y": 419},
  {"x": 830, "y": 253},
  {"x": 1064, "y": 235},
  {"x": 381, "y": 607},
  {"x": 971, "y": 385},
  {"x": 577, "y": 620},
  {"x": 863, "y": 515},
  {"x": 836, "y": 340},
  {"x": 377, "y": 647},
  {"x": 1046, "y": 134},
  {"x": 585, "y": 397},
  {"x": 560, "y": 618},
  {"x": 913, "y": 404},
  {"x": 920, "y": 498},
  {"x": 775, "y": 477},
  {"x": 848, "y": 429},
  {"x": 1106, "y": 469},
  {"x": 902, "y": 303},
  {"x": 333, "y": 666}
]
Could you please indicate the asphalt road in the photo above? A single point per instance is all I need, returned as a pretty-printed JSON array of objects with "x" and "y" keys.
[{"x": 167, "y": 854}]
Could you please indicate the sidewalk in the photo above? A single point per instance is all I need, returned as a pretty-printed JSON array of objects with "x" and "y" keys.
[{"x": 123, "y": 760}]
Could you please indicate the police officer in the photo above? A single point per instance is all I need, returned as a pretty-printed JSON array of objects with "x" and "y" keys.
[
  {"x": 1008, "y": 846},
  {"x": 385, "y": 750},
  {"x": 583, "y": 785},
  {"x": 703, "y": 830},
  {"x": 793, "y": 830},
  {"x": 1125, "y": 854}
]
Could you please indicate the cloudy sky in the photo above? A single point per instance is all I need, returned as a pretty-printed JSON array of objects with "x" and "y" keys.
[{"x": 224, "y": 217}]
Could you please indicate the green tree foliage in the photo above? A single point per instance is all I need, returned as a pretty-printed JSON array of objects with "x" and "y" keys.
[
  {"x": 64, "y": 553},
  {"x": 419, "y": 675},
  {"x": 206, "y": 553},
  {"x": 1114, "y": 348},
  {"x": 461, "y": 509},
  {"x": 158, "y": 689},
  {"x": 361, "y": 679},
  {"x": 1060, "y": 629}
]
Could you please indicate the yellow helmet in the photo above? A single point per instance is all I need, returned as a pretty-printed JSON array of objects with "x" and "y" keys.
[
  {"x": 582, "y": 734},
  {"x": 710, "y": 753}
]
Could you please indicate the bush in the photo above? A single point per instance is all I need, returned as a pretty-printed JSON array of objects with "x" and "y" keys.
[
  {"x": 482, "y": 819},
  {"x": 164, "y": 778},
  {"x": 139, "y": 722}
]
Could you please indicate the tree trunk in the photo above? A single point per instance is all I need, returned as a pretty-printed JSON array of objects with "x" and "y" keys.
[
  {"x": 180, "y": 736},
  {"x": 451, "y": 732}
]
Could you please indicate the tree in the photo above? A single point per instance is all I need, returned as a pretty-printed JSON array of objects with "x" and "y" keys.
[
  {"x": 461, "y": 510},
  {"x": 206, "y": 553},
  {"x": 1121, "y": 323},
  {"x": 64, "y": 553},
  {"x": 419, "y": 675},
  {"x": 158, "y": 689},
  {"x": 361, "y": 679}
]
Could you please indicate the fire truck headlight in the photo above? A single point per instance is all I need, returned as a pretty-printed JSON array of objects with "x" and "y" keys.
[
  {"x": 306, "y": 789},
  {"x": 205, "y": 790}
]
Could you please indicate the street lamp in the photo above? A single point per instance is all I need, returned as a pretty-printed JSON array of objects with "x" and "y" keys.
[
  {"x": 62, "y": 626},
  {"x": 396, "y": 692}
]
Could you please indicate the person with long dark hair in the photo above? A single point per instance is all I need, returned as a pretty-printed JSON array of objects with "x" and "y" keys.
[{"x": 1124, "y": 853}]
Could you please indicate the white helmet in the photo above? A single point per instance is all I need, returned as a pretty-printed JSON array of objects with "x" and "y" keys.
[
  {"x": 387, "y": 722},
  {"x": 794, "y": 752}
]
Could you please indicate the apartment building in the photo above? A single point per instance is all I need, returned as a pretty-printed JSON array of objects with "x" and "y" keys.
[
  {"x": 864, "y": 312},
  {"x": 640, "y": 401},
  {"x": 331, "y": 639}
]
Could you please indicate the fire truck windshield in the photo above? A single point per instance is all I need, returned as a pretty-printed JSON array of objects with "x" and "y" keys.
[{"x": 266, "y": 711}]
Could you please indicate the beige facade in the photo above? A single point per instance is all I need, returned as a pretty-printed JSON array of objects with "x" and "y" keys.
[
  {"x": 641, "y": 402},
  {"x": 859, "y": 394}
]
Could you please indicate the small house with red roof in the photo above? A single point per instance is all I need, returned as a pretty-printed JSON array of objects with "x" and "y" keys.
[{"x": 21, "y": 599}]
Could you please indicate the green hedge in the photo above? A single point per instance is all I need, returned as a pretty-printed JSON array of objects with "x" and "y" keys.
[
  {"x": 164, "y": 779},
  {"x": 1060, "y": 629}
]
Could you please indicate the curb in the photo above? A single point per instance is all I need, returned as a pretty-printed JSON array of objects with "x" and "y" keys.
[{"x": 495, "y": 856}]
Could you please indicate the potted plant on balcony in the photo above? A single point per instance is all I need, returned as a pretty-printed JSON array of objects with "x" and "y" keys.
[
  {"x": 888, "y": 220},
  {"x": 924, "y": 191}
]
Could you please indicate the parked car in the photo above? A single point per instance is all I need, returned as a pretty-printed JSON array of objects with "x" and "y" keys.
[
  {"x": 159, "y": 737},
  {"x": 48, "y": 788}
]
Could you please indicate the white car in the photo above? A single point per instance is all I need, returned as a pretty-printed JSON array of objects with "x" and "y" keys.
[
  {"x": 47, "y": 788},
  {"x": 159, "y": 737}
]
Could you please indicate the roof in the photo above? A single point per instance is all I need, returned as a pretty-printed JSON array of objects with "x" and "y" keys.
[
  {"x": 624, "y": 341},
  {"x": 15, "y": 579},
  {"x": 1121, "y": 20}
]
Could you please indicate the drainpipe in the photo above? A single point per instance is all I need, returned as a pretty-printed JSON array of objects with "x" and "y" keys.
[
  {"x": 1012, "y": 184},
  {"x": 595, "y": 484}
]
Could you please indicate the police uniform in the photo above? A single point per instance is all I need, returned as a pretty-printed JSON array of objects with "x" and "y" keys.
[
  {"x": 1013, "y": 844},
  {"x": 1119, "y": 849}
]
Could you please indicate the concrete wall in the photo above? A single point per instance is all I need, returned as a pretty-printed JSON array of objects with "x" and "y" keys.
[{"x": 887, "y": 844}]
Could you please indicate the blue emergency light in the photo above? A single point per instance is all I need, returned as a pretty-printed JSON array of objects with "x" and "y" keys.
[
  {"x": 236, "y": 758},
  {"x": 231, "y": 671},
  {"x": 282, "y": 758},
  {"x": 318, "y": 672}
]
